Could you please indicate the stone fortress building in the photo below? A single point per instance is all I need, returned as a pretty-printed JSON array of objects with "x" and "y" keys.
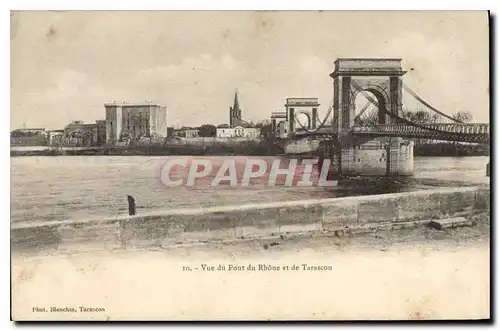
[{"x": 134, "y": 121}]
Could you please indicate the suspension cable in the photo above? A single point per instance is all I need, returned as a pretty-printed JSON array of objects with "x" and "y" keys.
[
  {"x": 375, "y": 103},
  {"x": 365, "y": 94},
  {"x": 394, "y": 115},
  {"x": 415, "y": 95},
  {"x": 362, "y": 111}
]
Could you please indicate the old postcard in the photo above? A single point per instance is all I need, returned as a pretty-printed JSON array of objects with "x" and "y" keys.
[{"x": 250, "y": 165}]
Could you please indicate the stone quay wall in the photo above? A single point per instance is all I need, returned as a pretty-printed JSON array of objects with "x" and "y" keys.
[{"x": 247, "y": 221}]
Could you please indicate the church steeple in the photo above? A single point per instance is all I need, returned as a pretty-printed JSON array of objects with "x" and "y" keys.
[
  {"x": 236, "y": 104},
  {"x": 235, "y": 112}
]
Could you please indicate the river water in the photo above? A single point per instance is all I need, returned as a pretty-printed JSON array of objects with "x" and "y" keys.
[{"x": 82, "y": 187}]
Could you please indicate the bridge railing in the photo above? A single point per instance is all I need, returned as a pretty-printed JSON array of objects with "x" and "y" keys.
[{"x": 475, "y": 128}]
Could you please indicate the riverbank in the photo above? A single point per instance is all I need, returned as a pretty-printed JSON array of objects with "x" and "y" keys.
[{"x": 243, "y": 148}]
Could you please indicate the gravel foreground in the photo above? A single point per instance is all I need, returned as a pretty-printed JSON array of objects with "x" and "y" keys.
[{"x": 420, "y": 273}]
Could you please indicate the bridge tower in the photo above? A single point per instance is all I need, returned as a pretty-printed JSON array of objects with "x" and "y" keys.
[
  {"x": 365, "y": 156},
  {"x": 304, "y": 106}
]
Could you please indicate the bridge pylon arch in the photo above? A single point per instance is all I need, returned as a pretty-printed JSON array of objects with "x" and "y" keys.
[
  {"x": 381, "y": 77},
  {"x": 304, "y": 106},
  {"x": 373, "y": 156}
]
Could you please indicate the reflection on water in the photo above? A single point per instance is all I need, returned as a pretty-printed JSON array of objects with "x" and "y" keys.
[{"x": 80, "y": 187}]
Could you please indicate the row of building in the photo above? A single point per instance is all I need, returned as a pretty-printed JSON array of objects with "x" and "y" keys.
[
  {"x": 222, "y": 131},
  {"x": 235, "y": 129},
  {"x": 75, "y": 134},
  {"x": 125, "y": 122}
]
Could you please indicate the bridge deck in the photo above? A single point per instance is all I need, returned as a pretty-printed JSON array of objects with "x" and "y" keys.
[{"x": 475, "y": 132}]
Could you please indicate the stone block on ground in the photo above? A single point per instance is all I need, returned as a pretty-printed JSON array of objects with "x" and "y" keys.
[{"x": 446, "y": 223}]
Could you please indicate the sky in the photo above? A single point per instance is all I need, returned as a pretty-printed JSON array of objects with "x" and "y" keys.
[{"x": 66, "y": 65}]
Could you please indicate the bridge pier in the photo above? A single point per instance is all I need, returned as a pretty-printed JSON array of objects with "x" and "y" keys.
[{"x": 383, "y": 156}]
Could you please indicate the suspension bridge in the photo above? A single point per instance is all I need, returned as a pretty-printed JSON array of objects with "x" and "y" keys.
[{"x": 377, "y": 138}]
